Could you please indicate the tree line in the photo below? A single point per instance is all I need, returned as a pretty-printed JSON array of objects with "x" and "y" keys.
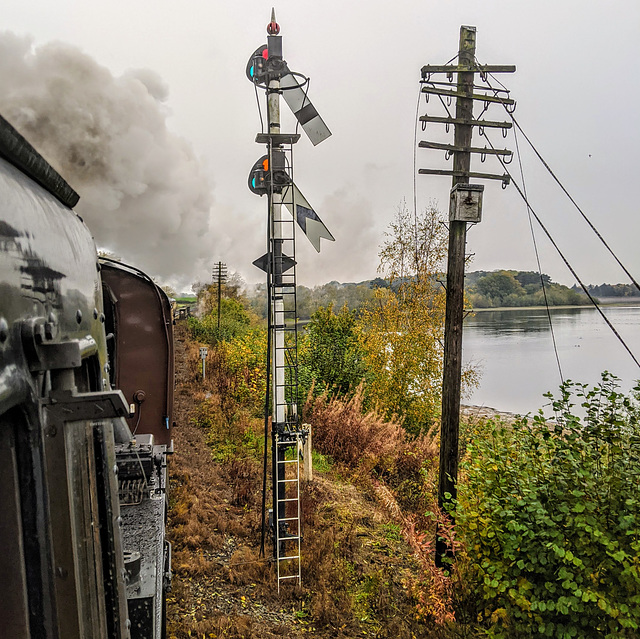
[{"x": 484, "y": 289}]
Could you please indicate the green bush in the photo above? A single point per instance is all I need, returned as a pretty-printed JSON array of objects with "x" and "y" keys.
[
  {"x": 549, "y": 514},
  {"x": 234, "y": 323},
  {"x": 330, "y": 356}
]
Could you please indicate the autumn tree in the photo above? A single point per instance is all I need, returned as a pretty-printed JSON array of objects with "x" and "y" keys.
[{"x": 401, "y": 330}]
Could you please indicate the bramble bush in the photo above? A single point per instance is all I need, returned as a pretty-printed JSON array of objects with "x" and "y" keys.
[
  {"x": 549, "y": 514},
  {"x": 237, "y": 357}
]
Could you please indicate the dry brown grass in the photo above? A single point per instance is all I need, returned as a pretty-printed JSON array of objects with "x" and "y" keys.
[
  {"x": 348, "y": 435},
  {"x": 374, "y": 448},
  {"x": 358, "y": 578},
  {"x": 400, "y": 472}
]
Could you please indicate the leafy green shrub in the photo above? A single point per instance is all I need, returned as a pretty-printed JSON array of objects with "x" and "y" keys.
[
  {"x": 549, "y": 514},
  {"x": 330, "y": 355},
  {"x": 234, "y": 322}
]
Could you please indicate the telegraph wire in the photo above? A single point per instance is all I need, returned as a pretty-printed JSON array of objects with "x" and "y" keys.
[
  {"x": 565, "y": 191},
  {"x": 415, "y": 149},
  {"x": 415, "y": 175},
  {"x": 564, "y": 259},
  {"x": 535, "y": 248},
  {"x": 586, "y": 219}
]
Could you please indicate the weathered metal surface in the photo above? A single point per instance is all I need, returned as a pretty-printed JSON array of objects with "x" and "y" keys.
[
  {"x": 141, "y": 355},
  {"x": 16, "y": 150},
  {"x": 143, "y": 526},
  {"x": 57, "y": 509}
]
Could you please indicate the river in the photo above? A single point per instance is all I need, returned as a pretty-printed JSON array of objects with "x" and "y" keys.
[{"x": 513, "y": 350}]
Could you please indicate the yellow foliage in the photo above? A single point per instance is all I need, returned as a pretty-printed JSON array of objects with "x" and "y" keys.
[
  {"x": 402, "y": 329},
  {"x": 401, "y": 334}
]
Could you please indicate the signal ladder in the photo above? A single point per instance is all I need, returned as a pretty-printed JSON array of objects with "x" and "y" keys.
[
  {"x": 288, "y": 531},
  {"x": 286, "y": 432}
]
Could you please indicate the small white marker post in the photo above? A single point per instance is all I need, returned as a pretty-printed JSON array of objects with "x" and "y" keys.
[{"x": 203, "y": 357}]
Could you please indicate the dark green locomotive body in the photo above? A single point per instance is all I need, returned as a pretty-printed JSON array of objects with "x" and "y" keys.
[{"x": 68, "y": 515}]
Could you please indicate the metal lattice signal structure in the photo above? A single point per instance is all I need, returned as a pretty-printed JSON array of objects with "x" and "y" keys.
[{"x": 271, "y": 175}]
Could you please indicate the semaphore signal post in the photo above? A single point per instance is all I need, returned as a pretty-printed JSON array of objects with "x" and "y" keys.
[
  {"x": 272, "y": 175},
  {"x": 465, "y": 208}
]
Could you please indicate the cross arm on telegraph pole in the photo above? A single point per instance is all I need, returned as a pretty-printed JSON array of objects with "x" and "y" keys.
[{"x": 465, "y": 207}]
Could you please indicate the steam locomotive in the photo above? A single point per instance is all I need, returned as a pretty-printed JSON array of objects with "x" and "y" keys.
[{"x": 86, "y": 399}]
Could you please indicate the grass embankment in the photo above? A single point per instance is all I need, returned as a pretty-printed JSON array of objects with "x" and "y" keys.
[
  {"x": 366, "y": 567},
  {"x": 548, "y": 520}
]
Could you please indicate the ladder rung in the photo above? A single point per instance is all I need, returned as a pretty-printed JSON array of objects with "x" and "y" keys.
[
  {"x": 292, "y": 538},
  {"x": 289, "y": 519},
  {"x": 286, "y": 481},
  {"x": 289, "y": 577},
  {"x": 288, "y": 558},
  {"x": 281, "y": 501}
]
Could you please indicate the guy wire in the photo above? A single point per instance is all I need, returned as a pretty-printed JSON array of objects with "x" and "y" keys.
[
  {"x": 415, "y": 184},
  {"x": 561, "y": 185},
  {"x": 535, "y": 248},
  {"x": 564, "y": 259}
]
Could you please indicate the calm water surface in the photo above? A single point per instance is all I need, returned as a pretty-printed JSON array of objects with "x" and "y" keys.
[{"x": 514, "y": 351}]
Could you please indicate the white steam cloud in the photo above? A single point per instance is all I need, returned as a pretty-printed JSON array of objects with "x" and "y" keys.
[{"x": 142, "y": 190}]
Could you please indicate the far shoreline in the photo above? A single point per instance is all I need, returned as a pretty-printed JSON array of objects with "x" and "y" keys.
[{"x": 631, "y": 302}]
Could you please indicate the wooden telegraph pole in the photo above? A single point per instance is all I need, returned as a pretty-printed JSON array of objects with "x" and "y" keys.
[
  {"x": 220, "y": 274},
  {"x": 465, "y": 207}
]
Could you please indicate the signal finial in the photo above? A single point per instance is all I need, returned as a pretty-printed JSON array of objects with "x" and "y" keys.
[{"x": 273, "y": 28}]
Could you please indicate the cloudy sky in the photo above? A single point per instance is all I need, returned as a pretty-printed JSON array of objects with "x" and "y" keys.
[{"x": 174, "y": 178}]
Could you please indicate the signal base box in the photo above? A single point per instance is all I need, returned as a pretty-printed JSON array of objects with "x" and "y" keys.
[{"x": 465, "y": 203}]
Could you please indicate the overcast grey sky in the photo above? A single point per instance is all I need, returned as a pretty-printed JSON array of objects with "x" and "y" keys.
[{"x": 576, "y": 84}]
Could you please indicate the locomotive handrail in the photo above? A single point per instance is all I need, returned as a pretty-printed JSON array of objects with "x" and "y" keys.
[{"x": 16, "y": 150}]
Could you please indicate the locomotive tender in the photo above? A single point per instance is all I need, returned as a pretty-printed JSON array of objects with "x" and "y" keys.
[{"x": 86, "y": 398}]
